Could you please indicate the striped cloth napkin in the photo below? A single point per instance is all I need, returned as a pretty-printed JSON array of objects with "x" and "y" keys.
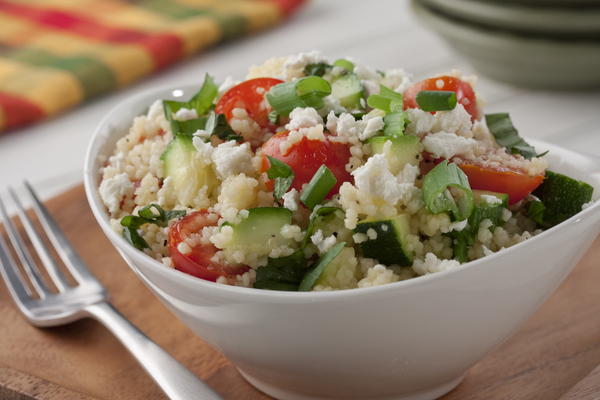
[{"x": 55, "y": 54}]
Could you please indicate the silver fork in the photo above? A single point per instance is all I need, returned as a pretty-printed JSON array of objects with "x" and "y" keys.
[{"x": 87, "y": 298}]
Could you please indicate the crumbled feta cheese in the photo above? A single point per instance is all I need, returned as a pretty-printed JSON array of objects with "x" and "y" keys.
[
  {"x": 112, "y": 191},
  {"x": 345, "y": 126},
  {"x": 457, "y": 120},
  {"x": 184, "y": 114},
  {"x": 421, "y": 122},
  {"x": 296, "y": 63},
  {"x": 227, "y": 84},
  {"x": 373, "y": 125},
  {"x": 303, "y": 118},
  {"x": 447, "y": 145},
  {"x": 396, "y": 79},
  {"x": 323, "y": 244},
  {"x": 432, "y": 264},
  {"x": 375, "y": 179},
  {"x": 290, "y": 200},
  {"x": 455, "y": 226},
  {"x": 230, "y": 158},
  {"x": 204, "y": 149}
]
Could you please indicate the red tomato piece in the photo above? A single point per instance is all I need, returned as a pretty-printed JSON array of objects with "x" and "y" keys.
[
  {"x": 249, "y": 95},
  {"x": 307, "y": 156},
  {"x": 464, "y": 92},
  {"x": 197, "y": 262},
  {"x": 517, "y": 185}
]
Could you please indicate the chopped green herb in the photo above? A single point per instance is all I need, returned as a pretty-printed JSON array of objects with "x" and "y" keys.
[
  {"x": 282, "y": 174},
  {"x": 314, "y": 274},
  {"x": 507, "y": 135},
  {"x": 217, "y": 125},
  {"x": 317, "y": 69},
  {"x": 387, "y": 100},
  {"x": 150, "y": 214},
  {"x": 446, "y": 189},
  {"x": 436, "y": 100},
  {"x": 283, "y": 273},
  {"x": 395, "y": 123},
  {"x": 319, "y": 186},
  {"x": 304, "y": 92}
]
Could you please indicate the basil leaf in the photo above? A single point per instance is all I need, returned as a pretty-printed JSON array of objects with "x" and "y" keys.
[
  {"x": 318, "y": 69},
  {"x": 446, "y": 189},
  {"x": 506, "y": 135},
  {"x": 150, "y": 214},
  {"x": 313, "y": 275},
  {"x": 283, "y": 273},
  {"x": 217, "y": 125},
  {"x": 282, "y": 174}
]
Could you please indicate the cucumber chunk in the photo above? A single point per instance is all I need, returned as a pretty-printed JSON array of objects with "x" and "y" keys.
[
  {"x": 262, "y": 228},
  {"x": 189, "y": 173},
  {"x": 391, "y": 244},
  {"x": 561, "y": 198},
  {"x": 401, "y": 151},
  {"x": 348, "y": 90}
]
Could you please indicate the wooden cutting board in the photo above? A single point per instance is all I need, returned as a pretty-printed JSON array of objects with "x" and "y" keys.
[{"x": 553, "y": 351}]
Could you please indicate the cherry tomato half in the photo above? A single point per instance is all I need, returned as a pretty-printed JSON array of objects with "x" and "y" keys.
[
  {"x": 197, "y": 262},
  {"x": 464, "y": 92},
  {"x": 249, "y": 95},
  {"x": 307, "y": 156},
  {"x": 517, "y": 185}
]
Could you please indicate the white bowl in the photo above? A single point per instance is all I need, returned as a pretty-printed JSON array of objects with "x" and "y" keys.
[
  {"x": 413, "y": 339},
  {"x": 519, "y": 59}
]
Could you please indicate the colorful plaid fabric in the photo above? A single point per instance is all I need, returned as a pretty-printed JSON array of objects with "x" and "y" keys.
[{"x": 55, "y": 54}]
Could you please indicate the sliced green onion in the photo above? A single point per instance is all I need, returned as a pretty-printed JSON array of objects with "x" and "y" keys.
[
  {"x": 318, "y": 69},
  {"x": 387, "y": 100},
  {"x": 282, "y": 174},
  {"x": 313, "y": 275},
  {"x": 343, "y": 63},
  {"x": 436, "y": 100},
  {"x": 395, "y": 123},
  {"x": 319, "y": 186},
  {"x": 446, "y": 189},
  {"x": 507, "y": 135},
  {"x": 305, "y": 92}
]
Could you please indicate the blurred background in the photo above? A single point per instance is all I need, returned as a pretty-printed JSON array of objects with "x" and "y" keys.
[{"x": 541, "y": 63}]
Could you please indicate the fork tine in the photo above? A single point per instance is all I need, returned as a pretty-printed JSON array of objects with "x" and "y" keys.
[
  {"x": 63, "y": 247},
  {"x": 53, "y": 270},
  {"x": 12, "y": 276},
  {"x": 24, "y": 256}
]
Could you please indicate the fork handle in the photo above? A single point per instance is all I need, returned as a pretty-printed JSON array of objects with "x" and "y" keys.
[{"x": 173, "y": 378}]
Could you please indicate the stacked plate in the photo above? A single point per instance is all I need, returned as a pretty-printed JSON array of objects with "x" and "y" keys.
[{"x": 549, "y": 44}]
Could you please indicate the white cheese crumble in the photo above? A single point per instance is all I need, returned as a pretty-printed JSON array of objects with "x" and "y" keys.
[
  {"x": 447, "y": 145},
  {"x": 322, "y": 243},
  {"x": 295, "y": 63},
  {"x": 230, "y": 158},
  {"x": 375, "y": 179},
  {"x": 345, "y": 126},
  {"x": 112, "y": 191},
  {"x": 432, "y": 264},
  {"x": 303, "y": 118},
  {"x": 290, "y": 200},
  {"x": 184, "y": 114}
]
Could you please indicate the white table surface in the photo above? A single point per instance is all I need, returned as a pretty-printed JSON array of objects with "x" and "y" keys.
[{"x": 380, "y": 33}]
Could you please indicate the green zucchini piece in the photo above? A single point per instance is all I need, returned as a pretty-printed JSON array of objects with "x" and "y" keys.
[
  {"x": 561, "y": 196},
  {"x": 403, "y": 150},
  {"x": 391, "y": 244}
]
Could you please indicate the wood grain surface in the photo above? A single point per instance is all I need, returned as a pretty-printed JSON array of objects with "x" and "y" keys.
[{"x": 552, "y": 352}]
